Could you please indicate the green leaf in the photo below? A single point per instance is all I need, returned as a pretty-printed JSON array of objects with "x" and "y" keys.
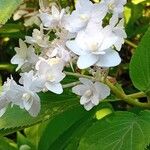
[
  {"x": 22, "y": 140},
  {"x": 34, "y": 133},
  {"x": 15, "y": 119},
  {"x": 7, "y": 8},
  {"x": 59, "y": 125},
  {"x": 70, "y": 136},
  {"x": 119, "y": 131},
  {"x": 140, "y": 64},
  {"x": 6, "y": 144}
]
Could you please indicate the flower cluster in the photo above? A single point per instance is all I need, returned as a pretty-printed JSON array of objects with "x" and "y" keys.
[{"x": 85, "y": 36}]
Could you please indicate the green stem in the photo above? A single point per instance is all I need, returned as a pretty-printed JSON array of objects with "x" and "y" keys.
[
  {"x": 130, "y": 99},
  {"x": 126, "y": 98},
  {"x": 78, "y": 75},
  {"x": 71, "y": 84},
  {"x": 137, "y": 95},
  {"x": 131, "y": 44},
  {"x": 8, "y": 67}
]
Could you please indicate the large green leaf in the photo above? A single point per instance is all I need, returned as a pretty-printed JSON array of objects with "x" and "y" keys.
[
  {"x": 140, "y": 64},
  {"x": 52, "y": 105},
  {"x": 65, "y": 130},
  {"x": 7, "y": 7},
  {"x": 59, "y": 125},
  {"x": 119, "y": 131}
]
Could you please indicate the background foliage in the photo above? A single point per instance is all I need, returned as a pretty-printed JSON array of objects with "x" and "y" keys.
[{"x": 62, "y": 123}]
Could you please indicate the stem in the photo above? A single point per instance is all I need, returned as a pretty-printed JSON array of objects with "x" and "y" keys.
[
  {"x": 8, "y": 67},
  {"x": 130, "y": 99},
  {"x": 131, "y": 44},
  {"x": 71, "y": 84},
  {"x": 137, "y": 95},
  {"x": 126, "y": 98},
  {"x": 78, "y": 75}
]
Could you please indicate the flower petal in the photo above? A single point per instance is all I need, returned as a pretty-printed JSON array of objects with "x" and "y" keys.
[
  {"x": 86, "y": 61},
  {"x": 36, "y": 106},
  {"x": 55, "y": 88},
  {"x": 84, "y": 100},
  {"x": 74, "y": 47},
  {"x": 110, "y": 59},
  {"x": 88, "y": 106},
  {"x": 87, "y": 82},
  {"x": 79, "y": 89},
  {"x": 102, "y": 90}
]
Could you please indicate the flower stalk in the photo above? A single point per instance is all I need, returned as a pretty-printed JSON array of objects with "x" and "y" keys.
[{"x": 131, "y": 99}]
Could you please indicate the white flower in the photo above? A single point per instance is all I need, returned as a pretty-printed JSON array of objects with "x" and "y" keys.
[
  {"x": 23, "y": 96},
  {"x": 38, "y": 37},
  {"x": 118, "y": 30},
  {"x": 19, "y": 13},
  {"x": 91, "y": 93},
  {"x": 60, "y": 52},
  {"x": 85, "y": 12},
  {"x": 52, "y": 20},
  {"x": 93, "y": 46},
  {"x": 31, "y": 19},
  {"x": 27, "y": 97},
  {"x": 115, "y": 6},
  {"x": 58, "y": 48},
  {"x": 4, "y": 97},
  {"x": 50, "y": 72},
  {"x": 24, "y": 56}
]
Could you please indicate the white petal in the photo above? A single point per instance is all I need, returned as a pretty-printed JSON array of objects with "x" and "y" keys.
[
  {"x": 109, "y": 38},
  {"x": 55, "y": 11},
  {"x": 84, "y": 100},
  {"x": 22, "y": 44},
  {"x": 36, "y": 106},
  {"x": 17, "y": 60},
  {"x": 110, "y": 59},
  {"x": 86, "y": 82},
  {"x": 79, "y": 89},
  {"x": 27, "y": 103},
  {"x": 102, "y": 90},
  {"x": 86, "y": 61},
  {"x": 95, "y": 99},
  {"x": 46, "y": 19},
  {"x": 55, "y": 88},
  {"x": 2, "y": 111},
  {"x": 88, "y": 106},
  {"x": 74, "y": 47},
  {"x": 29, "y": 39}
]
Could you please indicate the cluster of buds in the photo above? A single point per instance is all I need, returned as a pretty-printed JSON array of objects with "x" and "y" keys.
[{"x": 81, "y": 37}]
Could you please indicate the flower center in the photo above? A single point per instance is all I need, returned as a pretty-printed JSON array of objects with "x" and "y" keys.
[
  {"x": 88, "y": 93},
  {"x": 84, "y": 17},
  {"x": 111, "y": 6},
  {"x": 26, "y": 96},
  {"x": 50, "y": 78},
  {"x": 94, "y": 46}
]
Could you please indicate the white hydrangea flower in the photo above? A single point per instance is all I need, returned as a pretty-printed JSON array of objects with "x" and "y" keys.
[
  {"x": 50, "y": 72},
  {"x": 23, "y": 96},
  {"x": 85, "y": 12},
  {"x": 58, "y": 48},
  {"x": 93, "y": 46},
  {"x": 30, "y": 99},
  {"x": 38, "y": 37},
  {"x": 118, "y": 30},
  {"x": 115, "y": 6},
  {"x": 53, "y": 19},
  {"x": 91, "y": 93},
  {"x": 24, "y": 56},
  {"x": 61, "y": 53},
  {"x": 4, "y": 98}
]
